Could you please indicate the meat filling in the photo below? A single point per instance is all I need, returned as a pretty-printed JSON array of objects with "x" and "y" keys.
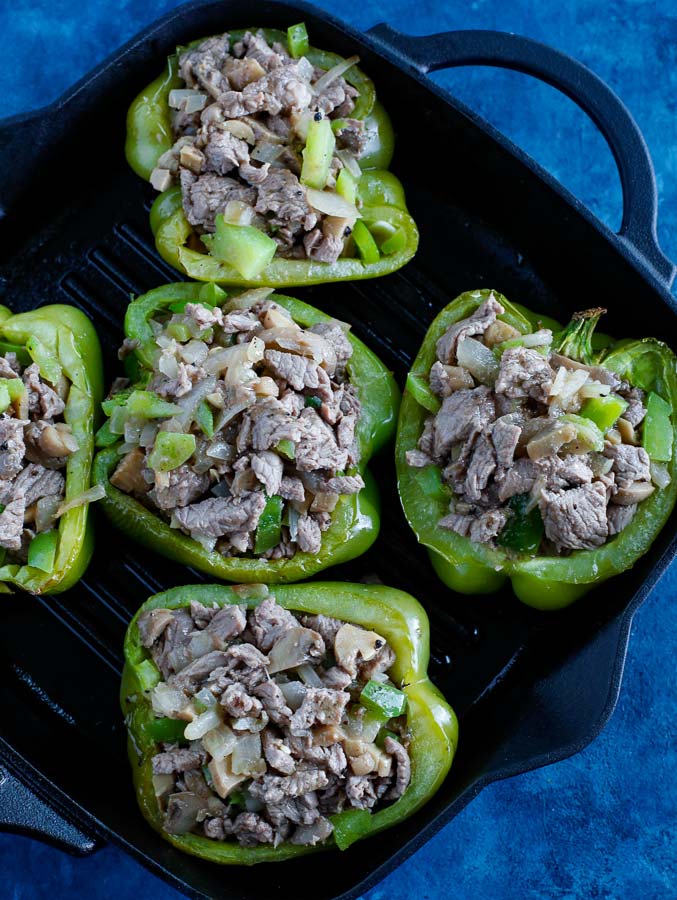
[
  {"x": 517, "y": 441},
  {"x": 35, "y": 445},
  {"x": 241, "y": 127},
  {"x": 272, "y": 743},
  {"x": 267, "y": 413}
]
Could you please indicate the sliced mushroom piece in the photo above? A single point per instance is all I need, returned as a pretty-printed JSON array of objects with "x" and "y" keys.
[
  {"x": 548, "y": 441},
  {"x": 182, "y": 812},
  {"x": 352, "y": 642},
  {"x": 627, "y": 432},
  {"x": 192, "y": 158},
  {"x": 57, "y": 440},
  {"x": 296, "y": 647},
  {"x": 223, "y": 777},
  {"x": 128, "y": 476},
  {"x": 161, "y": 179},
  {"x": 633, "y": 493},
  {"x": 498, "y": 332}
]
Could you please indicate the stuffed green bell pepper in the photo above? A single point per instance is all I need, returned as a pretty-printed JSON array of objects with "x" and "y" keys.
[
  {"x": 534, "y": 453},
  {"x": 50, "y": 389},
  {"x": 271, "y": 158},
  {"x": 265, "y": 723},
  {"x": 240, "y": 446}
]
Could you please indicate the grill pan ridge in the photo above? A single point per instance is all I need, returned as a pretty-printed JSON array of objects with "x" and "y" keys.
[{"x": 529, "y": 688}]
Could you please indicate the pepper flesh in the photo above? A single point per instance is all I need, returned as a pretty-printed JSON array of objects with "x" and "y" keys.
[
  {"x": 433, "y": 727},
  {"x": 149, "y": 135},
  {"x": 544, "y": 582},
  {"x": 356, "y": 519},
  {"x": 69, "y": 340}
]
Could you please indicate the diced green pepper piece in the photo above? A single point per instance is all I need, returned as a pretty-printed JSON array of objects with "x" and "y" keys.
[
  {"x": 212, "y": 294},
  {"x": 148, "y": 676},
  {"x": 50, "y": 369},
  {"x": 346, "y": 186},
  {"x": 170, "y": 450},
  {"x": 384, "y": 699},
  {"x": 147, "y": 405},
  {"x": 349, "y": 826},
  {"x": 42, "y": 550},
  {"x": 5, "y": 399},
  {"x": 15, "y": 387},
  {"x": 297, "y": 40},
  {"x": 419, "y": 389},
  {"x": 118, "y": 420},
  {"x": 270, "y": 525},
  {"x": 166, "y": 730},
  {"x": 204, "y": 417},
  {"x": 523, "y": 531},
  {"x": 430, "y": 482},
  {"x": 588, "y": 435},
  {"x": 604, "y": 411},
  {"x": 119, "y": 399},
  {"x": 395, "y": 243},
  {"x": 179, "y": 331},
  {"x": 105, "y": 437},
  {"x": 286, "y": 448},
  {"x": 244, "y": 247},
  {"x": 365, "y": 243},
  {"x": 318, "y": 153},
  {"x": 314, "y": 402},
  {"x": 657, "y": 429}
]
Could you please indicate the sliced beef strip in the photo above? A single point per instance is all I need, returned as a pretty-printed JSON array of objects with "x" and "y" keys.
[
  {"x": 619, "y": 517},
  {"x": 524, "y": 374},
  {"x": 283, "y": 89},
  {"x": 12, "y": 522},
  {"x": 277, "y": 753},
  {"x": 282, "y": 197},
  {"x": 505, "y": 436},
  {"x": 309, "y": 536},
  {"x": 250, "y": 829},
  {"x": 182, "y": 488},
  {"x": 476, "y": 324},
  {"x": 219, "y": 516},
  {"x": 317, "y": 448},
  {"x": 152, "y": 624},
  {"x": 206, "y": 195},
  {"x": 636, "y": 410},
  {"x": 226, "y": 624},
  {"x": 403, "y": 767},
  {"x": 555, "y": 473},
  {"x": 268, "y": 622},
  {"x": 35, "y": 482},
  {"x": 344, "y": 484},
  {"x": 43, "y": 401},
  {"x": 178, "y": 760},
  {"x": 237, "y": 703},
  {"x": 481, "y": 467},
  {"x": 202, "y": 66},
  {"x": 338, "y": 339},
  {"x": 274, "y": 703},
  {"x": 464, "y": 413},
  {"x": 12, "y": 446},
  {"x": 291, "y": 488},
  {"x": 575, "y": 519},
  {"x": 269, "y": 469},
  {"x": 630, "y": 463},
  {"x": 169, "y": 651},
  {"x": 320, "y": 706},
  {"x": 298, "y": 371},
  {"x": 271, "y": 423},
  {"x": 224, "y": 152}
]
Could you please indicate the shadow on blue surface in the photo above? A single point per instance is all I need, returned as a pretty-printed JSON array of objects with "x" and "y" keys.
[{"x": 600, "y": 825}]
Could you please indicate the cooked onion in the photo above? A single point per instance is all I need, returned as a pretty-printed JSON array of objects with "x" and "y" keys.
[
  {"x": 249, "y": 723},
  {"x": 350, "y": 163},
  {"x": 248, "y": 299},
  {"x": 309, "y": 676},
  {"x": 594, "y": 388},
  {"x": 246, "y": 758},
  {"x": 200, "y": 643},
  {"x": 219, "y": 742},
  {"x": 168, "y": 365},
  {"x": 332, "y": 74},
  {"x": 89, "y": 496},
  {"x": 660, "y": 474},
  {"x": 190, "y": 101},
  {"x": 294, "y": 692},
  {"x": 478, "y": 360},
  {"x": 332, "y": 204},
  {"x": 166, "y": 700},
  {"x": 202, "y": 724},
  {"x": 46, "y": 512},
  {"x": 190, "y": 401},
  {"x": 266, "y": 152},
  {"x": 194, "y": 352},
  {"x": 238, "y": 213}
]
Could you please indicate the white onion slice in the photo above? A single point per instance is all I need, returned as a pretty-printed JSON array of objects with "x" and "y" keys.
[
  {"x": 246, "y": 758},
  {"x": 202, "y": 724},
  {"x": 294, "y": 692},
  {"x": 309, "y": 676},
  {"x": 332, "y": 204},
  {"x": 350, "y": 163},
  {"x": 332, "y": 74},
  {"x": 98, "y": 492},
  {"x": 219, "y": 742},
  {"x": 266, "y": 152},
  {"x": 660, "y": 474},
  {"x": 478, "y": 360}
]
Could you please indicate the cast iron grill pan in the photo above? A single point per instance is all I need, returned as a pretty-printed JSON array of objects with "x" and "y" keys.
[{"x": 529, "y": 688}]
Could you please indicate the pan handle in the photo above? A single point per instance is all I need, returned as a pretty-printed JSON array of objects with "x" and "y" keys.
[
  {"x": 450, "y": 49},
  {"x": 23, "y": 812}
]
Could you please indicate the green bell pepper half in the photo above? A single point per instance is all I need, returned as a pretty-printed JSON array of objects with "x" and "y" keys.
[
  {"x": 68, "y": 338},
  {"x": 431, "y": 722},
  {"x": 149, "y": 135},
  {"x": 356, "y": 519},
  {"x": 544, "y": 582}
]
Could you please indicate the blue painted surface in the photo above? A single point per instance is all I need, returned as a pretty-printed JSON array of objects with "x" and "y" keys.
[{"x": 602, "y": 824}]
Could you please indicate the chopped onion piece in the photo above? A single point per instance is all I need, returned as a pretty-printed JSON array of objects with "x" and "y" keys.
[
  {"x": 188, "y": 100},
  {"x": 246, "y": 758},
  {"x": 219, "y": 742},
  {"x": 248, "y": 299},
  {"x": 294, "y": 692},
  {"x": 660, "y": 474},
  {"x": 478, "y": 360},
  {"x": 202, "y": 724},
  {"x": 148, "y": 434},
  {"x": 46, "y": 512},
  {"x": 294, "y": 517},
  {"x": 205, "y": 697},
  {"x": 309, "y": 676},
  {"x": 332, "y": 204},
  {"x": 89, "y": 496},
  {"x": 350, "y": 163},
  {"x": 167, "y": 701},
  {"x": 194, "y": 352},
  {"x": 199, "y": 644},
  {"x": 220, "y": 450},
  {"x": 540, "y": 338},
  {"x": 237, "y": 212},
  {"x": 162, "y": 785},
  {"x": 266, "y": 152},
  {"x": 203, "y": 540},
  {"x": 190, "y": 401},
  {"x": 249, "y": 723},
  {"x": 332, "y": 74},
  {"x": 168, "y": 365},
  {"x": 594, "y": 388}
]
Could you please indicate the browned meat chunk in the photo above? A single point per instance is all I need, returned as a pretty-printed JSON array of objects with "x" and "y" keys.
[
  {"x": 219, "y": 516},
  {"x": 524, "y": 374},
  {"x": 575, "y": 519},
  {"x": 476, "y": 324},
  {"x": 12, "y": 447},
  {"x": 464, "y": 413}
]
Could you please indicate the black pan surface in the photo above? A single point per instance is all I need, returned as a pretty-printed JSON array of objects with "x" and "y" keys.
[{"x": 529, "y": 688}]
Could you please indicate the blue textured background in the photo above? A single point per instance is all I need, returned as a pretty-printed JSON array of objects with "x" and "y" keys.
[{"x": 602, "y": 824}]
